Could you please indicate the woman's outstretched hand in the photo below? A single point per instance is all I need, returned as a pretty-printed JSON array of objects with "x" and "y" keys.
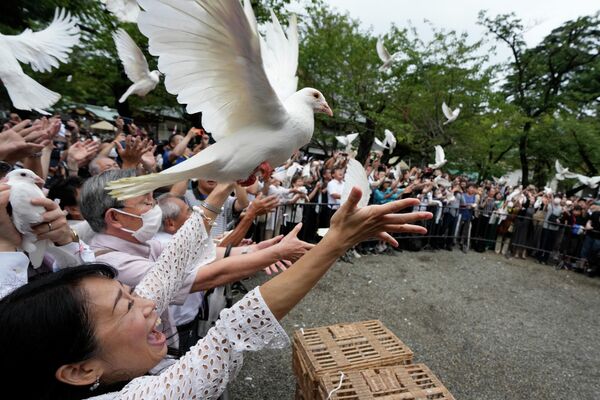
[{"x": 351, "y": 225}]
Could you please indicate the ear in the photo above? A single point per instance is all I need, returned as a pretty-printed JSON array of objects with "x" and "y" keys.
[
  {"x": 72, "y": 210},
  {"x": 80, "y": 374},
  {"x": 110, "y": 219},
  {"x": 169, "y": 226}
]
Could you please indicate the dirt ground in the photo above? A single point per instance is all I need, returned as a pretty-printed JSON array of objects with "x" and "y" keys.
[{"x": 488, "y": 327}]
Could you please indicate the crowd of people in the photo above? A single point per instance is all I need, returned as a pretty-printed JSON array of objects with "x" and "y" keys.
[{"x": 179, "y": 253}]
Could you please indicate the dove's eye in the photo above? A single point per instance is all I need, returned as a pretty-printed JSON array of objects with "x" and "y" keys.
[
  {"x": 316, "y": 95},
  {"x": 23, "y": 174}
]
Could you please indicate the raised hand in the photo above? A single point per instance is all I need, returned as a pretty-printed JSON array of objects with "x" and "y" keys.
[
  {"x": 134, "y": 148},
  {"x": 291, "y": 248},
  {"x": 351, "y": 225},
  {"x": 21, "y": 141},
  {"x": 81, "y": 153},
  {"x": 262, "y": 205}
]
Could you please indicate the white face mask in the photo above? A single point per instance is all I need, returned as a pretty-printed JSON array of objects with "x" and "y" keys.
[{"x": 151, "y": 221}]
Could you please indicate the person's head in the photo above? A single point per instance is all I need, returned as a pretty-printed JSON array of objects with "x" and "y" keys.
[
  {"x": 297, "y": 181},
  {"x": 577, "y": 211},
  {"x": 556, "y": 201},
  {"x": 492, "y": 192},
  {"x": 385, "y": 185},
  {"x": 326, "y": 174},
  {"x": 499, "y": 196},
  {"x": 174, "y": 140},
  {"x": 205, "y": 187},
  {"x": 102, "y": 163},
  {"x": 65, "y": 330},
  {"x": 380, "y": 174},
  {"x": 175, "y": 211},
  {"x": 136, "y": 219},
  {"x": 67, "y": 192},
  {"x": 338, "y": 174},
  {"x": 463, "y": 185},
  {"x": 471, "y": 189}
]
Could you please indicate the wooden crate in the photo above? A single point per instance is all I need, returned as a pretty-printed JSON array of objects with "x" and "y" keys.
[
  {"x": 407, "y": 382},
  {"x": 343, "y": 347}
]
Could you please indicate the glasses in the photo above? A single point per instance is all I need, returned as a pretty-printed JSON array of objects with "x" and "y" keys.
[{"x": 139, "y": 205}]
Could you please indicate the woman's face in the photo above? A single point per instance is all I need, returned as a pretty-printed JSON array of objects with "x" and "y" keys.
[{"x": 124, "y": 325}]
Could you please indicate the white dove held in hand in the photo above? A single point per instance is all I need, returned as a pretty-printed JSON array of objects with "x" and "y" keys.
[
  {"x": 135, "y": 65},
  {"x": 23, "y": 188},
  {"x": 450, "y": 115},
  {"x": 440, "y": 158}
]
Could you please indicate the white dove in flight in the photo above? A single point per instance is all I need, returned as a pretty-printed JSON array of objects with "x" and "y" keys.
[
  {"x": 378, "y": 145},
  {"x": 23, "y": 188},
  {"x": 440, "y": 158},
  {"x": 43, "y": 50},
  {"x": 356, "y": 176},
  {"x": 385, "y": 56},
  {"x": 124, "y": 10},
  {"x": 211, "y": 55},
  {"x": 390, "y": 140},
  {"x": 563, "y": 173},
  {"x": 347, "y": 141},
  {"x": 450, "y": 115},
  {"x": 590, "y": 181},
  {"x": 135, "y": 65}
]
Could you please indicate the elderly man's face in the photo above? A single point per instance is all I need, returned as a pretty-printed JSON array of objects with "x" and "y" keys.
[
  {"x": 106, "y": 164},
  {"x": 136, "y": 205},
  {"x": 185, "y": 212}
]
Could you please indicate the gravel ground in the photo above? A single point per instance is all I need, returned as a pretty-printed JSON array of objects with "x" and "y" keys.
[{"x": 488, "y": 327}]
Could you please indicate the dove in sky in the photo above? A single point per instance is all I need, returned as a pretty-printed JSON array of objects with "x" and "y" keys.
[
  {"x": 440, "y": 158},
  {"x": 356, "y": 176},
  {"x": 590, "y": 181},
  {"x": 135, "y": 65},
  {"x": 385, "y": 56},
  {"x": 562, "y": 173},
  {"x": 215, "y": 60},
  {"x": 23, "y": 188},
  {"x": 450, "y": 114},
  {"x": 42, "y": 50},
  {"x": 347, "y": 140},
  {"x": 124, "y": 10},
  {"x": 390, "y": 140}
]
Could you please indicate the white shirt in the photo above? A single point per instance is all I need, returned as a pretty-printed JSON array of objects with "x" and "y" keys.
[{"x": 334, "y": 187}]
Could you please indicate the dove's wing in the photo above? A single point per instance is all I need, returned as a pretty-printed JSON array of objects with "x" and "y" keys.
[
  {"x": 280, "y": 56},
  {"x": 24, "y": 92},
  {"x": 446, "y": 110},
  {"x": 456, "y": 112},
  {"x": 380, "y": 144},
  {"x": 124, "y": 10},
  {"x": 356, "y": 176},
  {"x": 352, "y": 137},
  {"x": 559, "y": 168},
  {"x": 383, "y": 54},
  {"x": 390, "y": 139},
  {"x": 47, "y": 48},
  {"x": 134, "y": 62},
  {"x": 440, "y": 157},
  {"x": 343, "y": 140},
  {"x": 211, "y": 59},
  {"x": 306, "y": 171}
]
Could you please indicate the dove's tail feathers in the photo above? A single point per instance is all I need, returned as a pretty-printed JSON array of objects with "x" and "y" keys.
[
  {"x": 126, "y": 188},
  {"x": 35, "y": 251},
  {"x": 26, "y": 93},
  {"x": 126, "y": 94}
]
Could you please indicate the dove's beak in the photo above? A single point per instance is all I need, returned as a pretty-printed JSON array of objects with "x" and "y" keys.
[{"x": 326, "y": 110}]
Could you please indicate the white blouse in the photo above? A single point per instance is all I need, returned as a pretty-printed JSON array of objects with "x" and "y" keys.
[{"x": 204, "y": 371}]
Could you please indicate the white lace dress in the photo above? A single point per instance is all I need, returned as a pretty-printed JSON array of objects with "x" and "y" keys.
[{"x": 205, "y": 371}]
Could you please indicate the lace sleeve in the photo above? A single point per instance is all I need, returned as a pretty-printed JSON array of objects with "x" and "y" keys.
[
  {"x": 205, "y": 371},
  {"x": 165, "y": 278}
]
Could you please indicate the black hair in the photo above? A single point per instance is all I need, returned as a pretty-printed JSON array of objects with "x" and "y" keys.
[
  {"x": 65, "y": 190},
  {"x": 46, "y": 324}
]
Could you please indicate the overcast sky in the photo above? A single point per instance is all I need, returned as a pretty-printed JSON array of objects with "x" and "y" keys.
[{"x": 461, "y": 15}]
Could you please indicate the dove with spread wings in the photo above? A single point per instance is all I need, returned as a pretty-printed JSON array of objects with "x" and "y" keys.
[
  {"x": 135, "y": 65},
  {"x": 43, "y": 51},
  {"x": 216, "y": 61}
]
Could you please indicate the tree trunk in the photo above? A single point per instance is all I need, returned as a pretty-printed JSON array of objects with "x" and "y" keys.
[
  {"x": 523, "y": 154},
  {"x": 366, "y": 141}
]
